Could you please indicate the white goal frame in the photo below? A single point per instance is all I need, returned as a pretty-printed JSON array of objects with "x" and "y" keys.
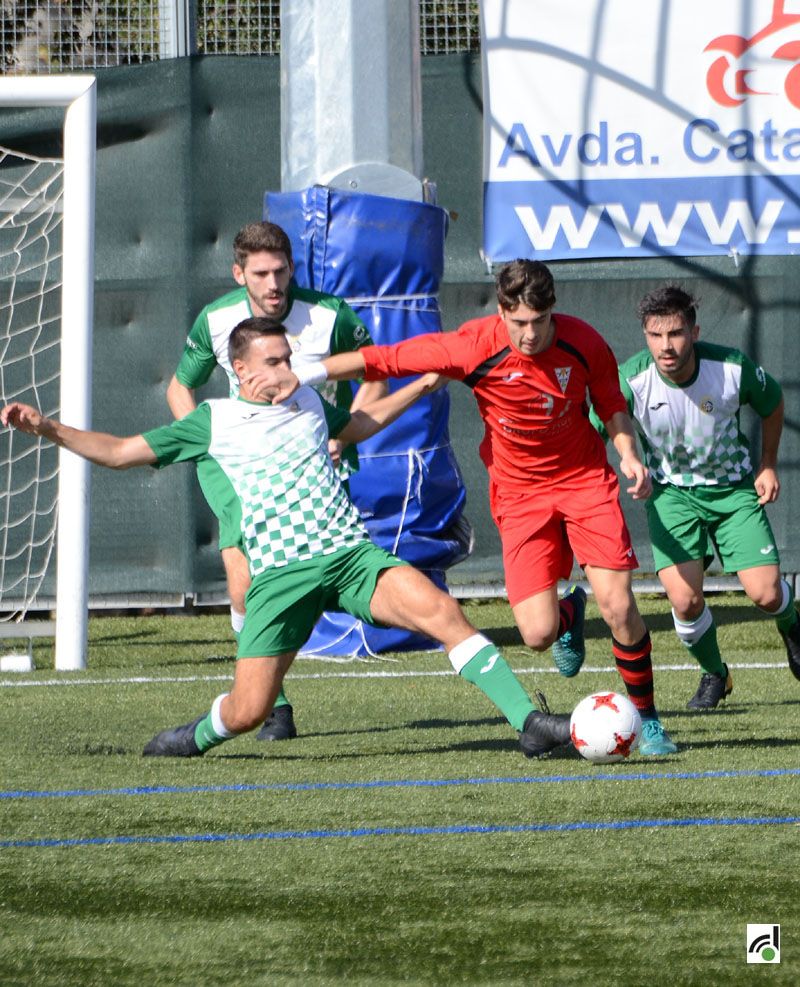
[{"x": 77, "y": 94}]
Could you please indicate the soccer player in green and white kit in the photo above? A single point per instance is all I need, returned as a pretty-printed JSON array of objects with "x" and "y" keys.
[
  {"x": 306, "y": 545},
  {"x": 317, "y": 325},
  {"x": 685, "y": 396}
]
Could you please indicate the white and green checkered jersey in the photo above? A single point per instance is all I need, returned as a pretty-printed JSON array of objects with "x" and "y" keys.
[
  {"x": 690, "y": 432},
  {"x": 317, "y": 325},
  {"x": 269, "y": 463}
]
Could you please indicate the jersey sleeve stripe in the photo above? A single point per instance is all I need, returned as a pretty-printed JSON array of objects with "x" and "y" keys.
[
  {"x": 561, "y": 344},
  {"x": 477, "y": 375}
]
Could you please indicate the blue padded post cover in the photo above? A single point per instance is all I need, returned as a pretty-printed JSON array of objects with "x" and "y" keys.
[{"x": 386, "y": 258}]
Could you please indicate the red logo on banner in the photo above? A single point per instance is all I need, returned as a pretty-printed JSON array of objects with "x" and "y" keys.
[{"x": 730, "y": 78}]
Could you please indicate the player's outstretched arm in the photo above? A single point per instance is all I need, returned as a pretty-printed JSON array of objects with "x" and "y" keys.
[
  {"x": 620, "y": 431},
  {"x": 378, "y": 414},
  {"x": 370, "y": 390},
  {"x": 98, "y": 447}
]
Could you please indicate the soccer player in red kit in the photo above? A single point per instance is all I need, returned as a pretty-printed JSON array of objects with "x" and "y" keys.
[{"x": 552, "y": 491}]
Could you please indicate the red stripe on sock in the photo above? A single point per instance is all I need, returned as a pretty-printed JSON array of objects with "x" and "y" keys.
[
  {"x": 566, "y": 616},
  {"x": 635, "y": 666}
]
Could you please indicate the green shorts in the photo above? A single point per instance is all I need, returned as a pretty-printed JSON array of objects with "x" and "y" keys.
[
  {"x": 283, "y": 605},
  {"x": 689, "y": 523}
]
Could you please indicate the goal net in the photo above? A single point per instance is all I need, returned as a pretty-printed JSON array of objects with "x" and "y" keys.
[{"x": 46, "y": 285}]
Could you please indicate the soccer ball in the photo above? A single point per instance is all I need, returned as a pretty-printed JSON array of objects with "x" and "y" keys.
[{"x": 605, "y": 727}]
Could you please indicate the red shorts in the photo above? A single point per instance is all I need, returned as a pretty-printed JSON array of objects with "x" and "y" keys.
[{"x": 540, "y": 531}]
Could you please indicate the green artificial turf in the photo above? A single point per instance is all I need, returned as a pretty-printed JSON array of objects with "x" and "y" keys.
[{"x": 402, "y": 838}]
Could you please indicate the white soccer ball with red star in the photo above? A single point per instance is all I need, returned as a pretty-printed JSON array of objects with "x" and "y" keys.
[{"x": 605, "y": 727}]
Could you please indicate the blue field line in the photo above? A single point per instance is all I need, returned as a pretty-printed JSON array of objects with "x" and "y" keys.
[
  {"x": 367, "y": 831},
  {"x": 317, "y": 786}
]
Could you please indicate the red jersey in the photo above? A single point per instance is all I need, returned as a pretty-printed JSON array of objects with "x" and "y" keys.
[{"x": 534, "y": 408}]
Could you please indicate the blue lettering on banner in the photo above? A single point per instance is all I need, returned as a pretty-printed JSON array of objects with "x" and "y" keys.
[
  {"x": 644, "y": 217},
  {"x": 592, "y": 148},
  {"x": 704, "y": 142}
]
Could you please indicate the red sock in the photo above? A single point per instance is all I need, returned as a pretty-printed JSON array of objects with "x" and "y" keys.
[
  {"x": 635, "y": 666},
  {"x": 566, "y": 615}
]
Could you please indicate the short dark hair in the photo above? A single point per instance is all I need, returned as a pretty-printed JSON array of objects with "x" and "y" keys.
[
  {"x": 527, "y": 282},
  {"x": 669, "y": 299},
  {"x": 248, "y": 330},
  {"x": 255, "y": 237}
]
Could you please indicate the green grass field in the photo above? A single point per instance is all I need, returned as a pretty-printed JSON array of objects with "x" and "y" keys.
[{"x": 403, "y": 838}]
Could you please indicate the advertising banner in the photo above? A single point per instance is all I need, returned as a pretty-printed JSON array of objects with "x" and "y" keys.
[{"x": 622, "y": 128}]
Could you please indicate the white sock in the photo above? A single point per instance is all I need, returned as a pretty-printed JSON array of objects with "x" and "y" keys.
[
  {"x": 237, "y": 621},
  {"x": 216, "y": 719},
  {"x": 690, "y": 632},
  {"x": 786, "y": 601},
  {"x": 463, "y": 653}
]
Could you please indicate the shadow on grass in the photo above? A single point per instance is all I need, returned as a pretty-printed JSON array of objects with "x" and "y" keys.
[
  {"x": 741, "y": 743},
  {"x": 156, "y": 634},
  {"x": 486, "y": 746},
  {"x": 703, "y": 716},
  {"x": 597, "y": 629},
  {"x": 738, "y": 709},
  {"x": 509, "y": 635}
]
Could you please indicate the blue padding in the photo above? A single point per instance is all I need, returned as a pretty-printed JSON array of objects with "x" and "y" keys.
[{"x": 386, "y": 257}]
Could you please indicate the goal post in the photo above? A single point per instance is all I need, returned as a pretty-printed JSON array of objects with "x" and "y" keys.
[{"x": 77, "y": 95}]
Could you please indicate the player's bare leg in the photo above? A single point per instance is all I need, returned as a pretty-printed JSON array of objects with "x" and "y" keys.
[
  {"x": 630, "y": 642},
  {"x": 773, "y": 595},
  {"x": 256, "y": 684},
  {"x": 683, "y": 584},
  {"x": 694, "y": 625},
  {"x": 404, "y": 597},
  {"x": 762, "y": 584},
  {"x": 537, "y": 618},
  {"x": 279, "y": 725},
  {"x": 613, "y": 594},
  {"x": 544, "y": 620},
  {"x": 237, "y": 576}
]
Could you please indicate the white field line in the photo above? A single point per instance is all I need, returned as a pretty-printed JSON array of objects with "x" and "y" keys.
[{"x": 372, "y": 674}]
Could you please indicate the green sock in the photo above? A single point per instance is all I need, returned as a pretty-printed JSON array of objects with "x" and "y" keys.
[
  {"x": 706, "y": 652},
  {"x": 281, "y": 700},
  {"x": 211, "y": 731},
  {"x": 786, "y": 617},
  {"x": 205, "y": 736},
  {"x": 490, "y": 673},
  {"x": 699, "y": 637}
]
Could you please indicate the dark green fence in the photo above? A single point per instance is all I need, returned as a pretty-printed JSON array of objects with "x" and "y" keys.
[{"x": 186, "y": 150}]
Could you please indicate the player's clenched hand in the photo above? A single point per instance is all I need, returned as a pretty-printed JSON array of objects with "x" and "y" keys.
[
  {"x": 22, "y": 417},
  {"x": 634, "y": 469},
  {"x": 274, "y": 384},
  {"x": 433, "y": 382},
  {"x": 335, "y": 448},
  {"x": 767, "y": 486}
]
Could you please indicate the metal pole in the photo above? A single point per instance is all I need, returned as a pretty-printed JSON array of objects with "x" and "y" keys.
[
  {"x": 78, "y": 95},
  {"x": 77, "y": 292},
  {"x": 176, "y": 22},
  {"x": 351, "y": 104}
]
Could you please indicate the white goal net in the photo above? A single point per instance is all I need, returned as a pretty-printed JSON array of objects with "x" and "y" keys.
[
  {"x": 30, "y": 325},
  {"x": 46, "y": 285}
]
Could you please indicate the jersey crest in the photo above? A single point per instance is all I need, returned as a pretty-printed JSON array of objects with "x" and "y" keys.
[{"x": 562, "y": 376}]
